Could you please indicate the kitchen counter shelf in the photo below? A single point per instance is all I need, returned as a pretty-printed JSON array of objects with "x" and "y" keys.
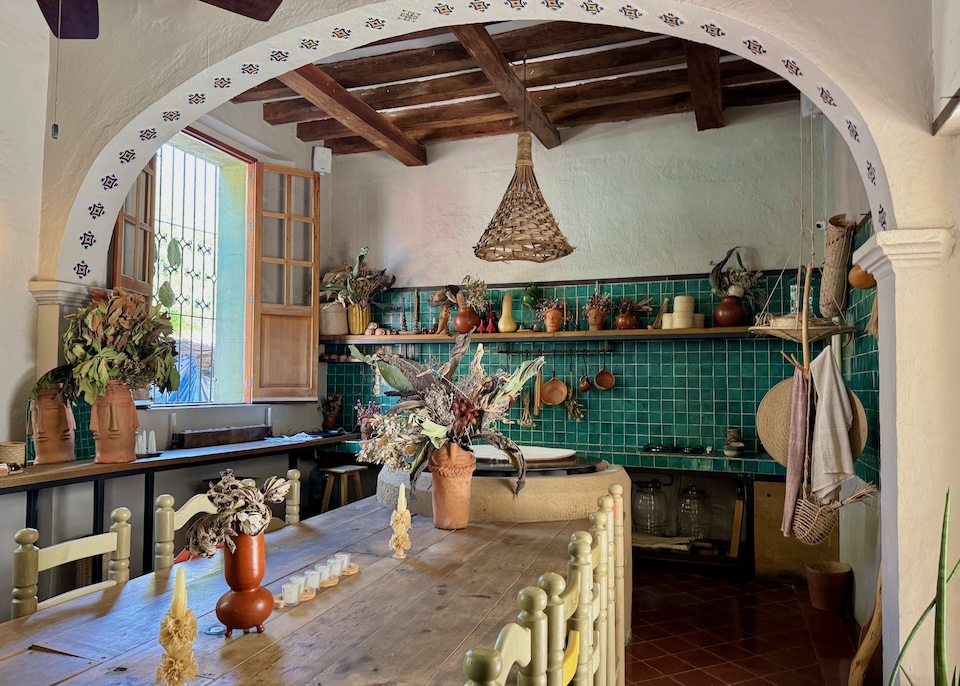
[{"x": 736, "y": 332}]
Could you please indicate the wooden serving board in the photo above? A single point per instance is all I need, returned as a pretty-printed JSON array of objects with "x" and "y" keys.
[{"x": 201, "y": 438}]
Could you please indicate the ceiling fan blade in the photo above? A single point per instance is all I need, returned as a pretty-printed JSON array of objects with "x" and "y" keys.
[
  {"x": 75, "y": 18},
  {"x": 261, "y": 10}
]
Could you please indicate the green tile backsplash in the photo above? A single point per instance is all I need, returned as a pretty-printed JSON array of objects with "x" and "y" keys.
[{"x": 677, "y": 392}]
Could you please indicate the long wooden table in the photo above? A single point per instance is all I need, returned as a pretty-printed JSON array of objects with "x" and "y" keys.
[{"x": 404, "y": 623}]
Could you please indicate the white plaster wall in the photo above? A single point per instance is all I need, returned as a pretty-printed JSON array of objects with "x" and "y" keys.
[
  {"x": 946, "y": 54},
  {"x": 843, "y": 187},
  {"x": 646, "y": 197}
]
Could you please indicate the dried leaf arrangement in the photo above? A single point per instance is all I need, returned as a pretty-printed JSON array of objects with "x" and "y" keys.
[
  {"x": 178, "y": 631},
  {"x": 241, "y": 508},
  {"x": 636, "y": 308},
  {"x": 120, "y": 336},
  {"x": 357, "y": 286},
  {"x": 331, "y": 404},
  {"x": 474, "y": 293},
  {"x": 434, "y": 409},
  {"x": 599, "y": 301},
  {"x": 737, "y": 281},
  {"x": 368, "y": 410},
  {"x": 61, "y": 376},
  {"x": 547, "y": 304}
]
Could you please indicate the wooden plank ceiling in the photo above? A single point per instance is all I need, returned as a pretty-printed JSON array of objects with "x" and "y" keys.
[{"x": 469, "y": 82}]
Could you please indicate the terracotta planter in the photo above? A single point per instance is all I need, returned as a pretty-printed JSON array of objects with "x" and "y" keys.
[
  {"x": 114, "y": 423},
  {"x": 52, "y": 426},
  {"x": 247, "y": 604},
  {"x": 596, "y": 318},
  {"x": 366, "y": 428},
  {"x": 466, "y": 320},
  {"x": 553, "y": 320},
  {"x": 626, "y": 320},
  {"x": 451, "y": 468},
  {"x": 329, "y": 422},
  {"x": 730, "y": 312},
  {"x": 357, "y": 319}
]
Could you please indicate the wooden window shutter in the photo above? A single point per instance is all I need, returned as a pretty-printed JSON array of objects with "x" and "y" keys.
[
  {"x": 285, "y": 278},
  {"x": 133, "y": 246}
]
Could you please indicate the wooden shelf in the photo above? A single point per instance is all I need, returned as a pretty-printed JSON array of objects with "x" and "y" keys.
[{"x": 560, "y": 336}]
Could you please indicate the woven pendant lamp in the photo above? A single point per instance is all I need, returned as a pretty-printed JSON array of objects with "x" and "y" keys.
[{"x": 523, "y": 227}]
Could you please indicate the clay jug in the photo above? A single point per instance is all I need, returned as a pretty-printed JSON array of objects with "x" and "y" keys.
[
  {"x": 247, "y": 604},
  {"x": 52, "y": 426},
  {"x": 553, "y": 320},
  {"x": 625, "y": 320},
  {"x": 507, "y": 324},
  {"x": 596, "y": 318},
  {"x": 114, "y": 422},
  {"x": 451, "y": 468},
  {"x": 730, "y": 312},
  {"x": 466, "y": 320},
  {"x": 357, "y": 319}
]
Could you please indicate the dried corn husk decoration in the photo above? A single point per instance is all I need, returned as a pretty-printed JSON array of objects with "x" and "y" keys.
[
  {"x": 833, "y": 283},
  {"x": 178, "y": 631},
  {"x": 523, "y": 227}
]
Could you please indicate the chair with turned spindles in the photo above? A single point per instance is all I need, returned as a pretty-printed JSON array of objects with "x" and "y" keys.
[
  {"x": 29, "y": 561},
  {"x": 569, "y": 630}
]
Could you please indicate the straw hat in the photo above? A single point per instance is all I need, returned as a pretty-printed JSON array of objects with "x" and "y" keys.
[{"x": 773, "y": 422}]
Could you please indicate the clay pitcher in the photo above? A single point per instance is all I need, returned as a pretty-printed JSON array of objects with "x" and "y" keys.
[
  {"x": 730, "y": 312},
  {"x": 466, "y": 320},
  {"x": 247, "y": 604},
  {"x": 553, "y": 320},
  {"x": 451, "y": 468},
  {"x": 52, "y": 426},
  {"x": 114, "y": 423}
]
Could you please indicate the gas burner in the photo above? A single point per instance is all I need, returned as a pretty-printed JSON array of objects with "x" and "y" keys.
[{"x": 693, "y": 450}]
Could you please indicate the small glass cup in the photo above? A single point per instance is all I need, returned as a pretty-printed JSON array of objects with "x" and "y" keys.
[
  {"x": 324, "y": 572},
  {"x": 344, "y": 560},
  {"x": 291, "y": 593},
  {"x": 336, "y": 566},
  {"x": 301, "y": 581},
  {"x": 313, "y": 579}
]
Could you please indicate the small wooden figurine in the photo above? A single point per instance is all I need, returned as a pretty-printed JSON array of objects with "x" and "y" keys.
[
  {"x": 400, "y": 523},
  {"x": 178, "y": 630}
]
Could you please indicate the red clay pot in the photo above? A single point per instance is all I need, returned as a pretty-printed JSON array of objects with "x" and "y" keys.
[
  {"x": 730, "y": 312},
  {"x": 114, "y": 422},
  {"x": 466, "y": 320},
  {"x": 625, "y": 321},
  {"x": 451, "y": 468},
  {"x": 52, "y": 426},
  {"x": 247, "y": 604}
]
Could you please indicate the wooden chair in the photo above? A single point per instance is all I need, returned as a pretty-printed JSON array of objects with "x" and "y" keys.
[
  {"x": 29, "y": 561},
  {"x": 342, "y": 473},
  {"x": 569, "y": 630}
]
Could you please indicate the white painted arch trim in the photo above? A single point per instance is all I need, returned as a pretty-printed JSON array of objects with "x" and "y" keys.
[{"x": 86, "y": 237}]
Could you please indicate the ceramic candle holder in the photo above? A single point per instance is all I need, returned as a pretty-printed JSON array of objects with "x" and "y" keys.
[
  {"x": 291, "y": 593},
  {"x": 326, "y": 577},
  {"x": 301, "y": 581},
  {"x": 313, "y": 579}
]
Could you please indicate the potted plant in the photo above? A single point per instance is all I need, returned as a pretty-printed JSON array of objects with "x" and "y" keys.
[
  {"x": 51, "y": 421},
  {"x": 356, "y": 287},
  {"x": 550, "y": 312},
  {"x": 471, "y": 299},
  {"x": 118, "y": 342},
  {"x": 733, "y": 285},
  {"x": 596, "y": 309},
  {"x": 438, "y": 419},
  {"x": 629, "y": 312},
  {"x": 365, "y": 414},
  {"x": 330, "y": 407},
  {"x": 237, "y": 526}
]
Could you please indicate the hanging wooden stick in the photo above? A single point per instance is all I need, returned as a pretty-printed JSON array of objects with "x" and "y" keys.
[{"x": 805, "y": 321}]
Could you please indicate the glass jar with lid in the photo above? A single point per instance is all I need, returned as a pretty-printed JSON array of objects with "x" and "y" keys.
[
  {"x": 694, "y": 513},
  {"x": 650, "y": 508}
]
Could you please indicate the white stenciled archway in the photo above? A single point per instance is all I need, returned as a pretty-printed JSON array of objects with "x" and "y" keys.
[{"x": 89, "y": 226}]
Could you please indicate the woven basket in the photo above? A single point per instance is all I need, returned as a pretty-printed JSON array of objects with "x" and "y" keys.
[
  {"x": 523, "y": 227},
  {"x": 833, "y": 283},
  {"x": 14, "y": 455},
  {"x": 333, "y": 319},
  {"x": 813, "y": 523},
  {"x": 789, "y": 327}
]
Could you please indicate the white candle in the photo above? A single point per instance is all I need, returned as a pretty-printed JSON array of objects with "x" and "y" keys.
[
  {"x": 291, "y": 593},
  {"x": 324, "y": 572},
  {"x": 173, "y": 424},
  {"x": 402, "y": 499},
  {"x": 270, "y": 417},
  {"x": 313, "y": 579},
  {"x": 178, "y": 604},
  {"x": 344, "y": 560},
  {"x": 335, "y": 566},
  {"x": 301, "y": 581},
  {"x": 152, "y": 442}
]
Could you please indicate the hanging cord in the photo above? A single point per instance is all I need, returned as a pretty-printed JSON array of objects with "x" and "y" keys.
[
  {"x": 525, "y": 94},
  {"x": 55, "y": 128}
]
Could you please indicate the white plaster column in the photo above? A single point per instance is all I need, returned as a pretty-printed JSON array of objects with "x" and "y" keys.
[
  {"x": 54, "y": 300},
  {"x": 919, "y": 395}
]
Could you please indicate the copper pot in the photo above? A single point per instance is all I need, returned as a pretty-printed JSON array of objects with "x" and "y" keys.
[
  {"x": 247, "y": 604},
  {"x": 114, "y": 422}
]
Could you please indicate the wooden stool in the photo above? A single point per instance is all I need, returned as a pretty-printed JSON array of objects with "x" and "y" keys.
[{"x": 342, "y": 472}]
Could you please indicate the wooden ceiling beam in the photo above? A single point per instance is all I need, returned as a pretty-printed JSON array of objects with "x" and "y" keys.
[
  {"x": 703, "y": 70},
  {"x": 324, "y": 92},
  {"x": 491, "y": 61},
  {"x": 759, "y": 94}
]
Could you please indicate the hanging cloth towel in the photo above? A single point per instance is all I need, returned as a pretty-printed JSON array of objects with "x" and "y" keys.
[
  {"x": 796, "y": 449},
  {"x": 831, "y": 456}
]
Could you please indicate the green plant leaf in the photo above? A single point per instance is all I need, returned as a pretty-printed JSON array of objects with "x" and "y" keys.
[
  {"x": 174, "y": 254},
  {"x": 357, "y": 355},
  {"x": 940, "y": 673},
  {"x": 438, "y": 435},
  {"x": 394, "y": 377}
]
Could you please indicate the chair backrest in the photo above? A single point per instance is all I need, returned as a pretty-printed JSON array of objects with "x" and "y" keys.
[
  {"x": 569, "y": 630},
  {"x": 29, "y": 561}
]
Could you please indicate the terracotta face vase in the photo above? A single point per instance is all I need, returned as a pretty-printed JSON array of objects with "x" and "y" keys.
[
  {"x": 52, "y": 426},
  {"x": 553, "y": 320},
  {"x": 114, "y": 422},
  {"x": 596, "y": 318},
  {"x": 451, "y": 468},
  {"x": 366, "y": 428},
  {"x": 247, "y": 604}
]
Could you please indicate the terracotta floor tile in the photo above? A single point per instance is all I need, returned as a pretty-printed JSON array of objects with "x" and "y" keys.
[
  {"x": 792, "y": 658},
  {"x": 792, "y": 679},
  {"x": 758, "y": 665},
  {"x": 639, "y": 670},
  {"x": 729, "y": 651},
  {"x": 649, "y": 632},
  {"x": 669, "y": 664},
  {"x": 703, "y": 639},
  {"x": 644, "y": 650},
  {"x": 676, "y": 627},
  {"x": 729, "y": 673},
  {"x": 674, "y": 644},
  {"x": 658, "y": 681},
  {"x": 700, "y": 658},
  {"x": 697, "y": 677}
]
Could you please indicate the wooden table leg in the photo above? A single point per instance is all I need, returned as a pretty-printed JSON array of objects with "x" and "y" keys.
[
  {"x": 327, "y": 493},
  {"x": 357, "y": 485},
  {"x": 344, "y": 490}
]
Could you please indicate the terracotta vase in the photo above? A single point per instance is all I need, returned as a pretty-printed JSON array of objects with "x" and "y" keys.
[
  {"x": 507, "y": 324},
  {"x": 596, "y": 318},
  {"x": 730, "y": 312},
  {"x": 466, "y": 320},
  {"x": 114, "y": 423},
  {"x": 625, "y": 320},
  {"x": 366, "y": 428},
  {"x": 247, "y": 604},
  {"x": 553, "y": 320},
  {"x": 451, "y": 468},
  {"x": 357, "y": 319},
  {"x": 329, "y": 422},
  {"x": 52, "y": 426}
]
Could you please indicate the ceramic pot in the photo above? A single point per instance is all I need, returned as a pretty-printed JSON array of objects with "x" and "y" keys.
[
  {"x": 366, "y": 428},
  {"x": 52, "y": 426},
  {"x": 329, "y": 422},
  {"x": 506, "y": 323},
  {"x": 466, "y": 320},
  {"x": 730, "y": 312},
  {"x": 451, "y": 468},
  {"x": 357, "y": 319},
  {"x": 596, "y": 318},
  {"x": 553, "y": 320},
  {"x": 114, "y": 422},
  {"x": 626, "y": 320},
  {"x": 247, "y": 604}
]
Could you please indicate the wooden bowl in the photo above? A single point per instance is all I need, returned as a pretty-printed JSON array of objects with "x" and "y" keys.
[
  {"x": 553, "y": 392},
  {"x": 604, "y": 380}
]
